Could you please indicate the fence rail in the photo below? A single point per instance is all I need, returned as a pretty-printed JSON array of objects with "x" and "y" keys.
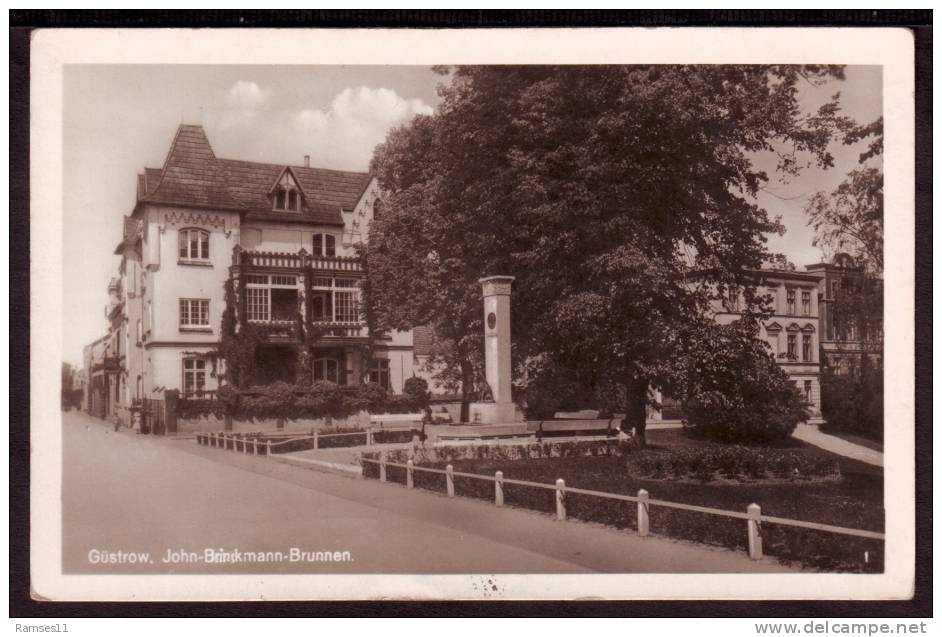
[
  {"x": 241, "y": 441},
  {"x": 753, "y": 515}
]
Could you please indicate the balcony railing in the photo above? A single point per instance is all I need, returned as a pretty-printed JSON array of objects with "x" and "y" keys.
[
  {"x": 341, "y": 329},
  {"x": 298, "y": 261}
]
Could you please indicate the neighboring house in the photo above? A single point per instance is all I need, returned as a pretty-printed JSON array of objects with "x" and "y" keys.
[
  {"x": 100, "y": 370},
  {"x": 842, "y": 343},
  {"x": 792, "y": 331},
  {"x": 287, "y": 236}
]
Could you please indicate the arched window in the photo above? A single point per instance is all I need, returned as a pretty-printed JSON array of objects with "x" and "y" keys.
[{"x": 193, "y": 244}]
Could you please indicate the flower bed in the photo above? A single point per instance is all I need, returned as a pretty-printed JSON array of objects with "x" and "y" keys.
[{"x": 817, "y": 493}]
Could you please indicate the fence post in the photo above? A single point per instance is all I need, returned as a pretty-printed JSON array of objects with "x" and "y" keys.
[
  {"x": 410, "y": 468},
  {"x": 560, "y": 499},
  {"x": 755, "y": 536},
  {"x": 245, "y": 444},
  {"x": 499, "y": 488},
  {"x": 450, "y": 480},
  {"x": 268, "y": 447},
  {"x": 369, "y": 437},
  {"x": 254, "y": 446},
  {"x": 382, "y": 466},
  {"x": 643, "y": 520}
]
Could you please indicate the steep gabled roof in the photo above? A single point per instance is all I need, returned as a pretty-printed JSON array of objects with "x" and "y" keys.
[{"x": 192, "y": 175}]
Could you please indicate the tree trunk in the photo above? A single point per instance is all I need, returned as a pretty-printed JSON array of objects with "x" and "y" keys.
[
  {"x": 467, "y": 381},
  {"x": 636, "y": 402}
]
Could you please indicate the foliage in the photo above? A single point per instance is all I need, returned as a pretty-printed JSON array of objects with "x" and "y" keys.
[
  {"x": 281, "y": 400},
  {"x": 706, "y": 463},
  {"x": 734, "y": 391},
  {"x": 850, "y": 219},
  {"x": 600, "y": 188},
  {"x": 416, "y": 390},
  {"x": 852, "y": 401}
]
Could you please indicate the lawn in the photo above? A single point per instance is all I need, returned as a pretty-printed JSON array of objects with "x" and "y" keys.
[{"x": 854, "y": 500}]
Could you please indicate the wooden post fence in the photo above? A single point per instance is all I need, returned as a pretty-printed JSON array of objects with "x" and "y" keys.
[
  {"x": 268, "y": 447},
  {"x": 382, "y": 466},
  {"x": 754, "y": 511},
  {"x": 410, "y": 468},
  {"x": 643, "y": 520},
  {"x": 560, "y": 499},
  {"x": 499, "y": 488},
  {"x": 450, "y": 481}
]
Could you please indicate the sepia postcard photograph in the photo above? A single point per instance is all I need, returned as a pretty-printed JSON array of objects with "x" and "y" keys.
[{"x": 497, "y": 315}]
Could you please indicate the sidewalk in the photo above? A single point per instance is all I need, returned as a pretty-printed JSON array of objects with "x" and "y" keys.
[{"x": 814, "y": 436}]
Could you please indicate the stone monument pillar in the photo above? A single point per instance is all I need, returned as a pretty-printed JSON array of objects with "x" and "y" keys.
[{"x": 496, "y": 291}]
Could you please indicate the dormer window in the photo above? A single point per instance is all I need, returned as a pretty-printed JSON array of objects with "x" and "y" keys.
[{"x": 286, "y": 196}]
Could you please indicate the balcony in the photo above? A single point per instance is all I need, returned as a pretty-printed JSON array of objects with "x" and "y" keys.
[{"x": 295, "y": 261}]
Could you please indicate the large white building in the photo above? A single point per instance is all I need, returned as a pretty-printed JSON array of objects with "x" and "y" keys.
[{"x": 286, "y": 235}]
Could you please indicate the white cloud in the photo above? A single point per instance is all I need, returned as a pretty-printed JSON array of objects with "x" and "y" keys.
[
  {"x": 341, "y": 135},
  {"x": 344, "y": 134},
  {"x": 246, "y": 95}
]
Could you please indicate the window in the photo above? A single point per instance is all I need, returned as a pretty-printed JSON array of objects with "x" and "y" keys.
[
  {"x": 807, "y": 392},
  {"x": 835, "y": 287},
  {"x": 287, "y": 196},
  {"x": 194, "y": 376},
  {"x": 194, "y": 245},
  {"x": 256, "y": 304},
  {"x": 271, "y": 298},
  {"x": 379, "y": 372},
  {"x": 324, "y": 245},
  {"x": 806, "y": 302},
  {"x": 792, "y": 347},
  {"x": 732, "y": 303},
  {"x": 327, "y": 369},
  {"x": 335, "y": 300},
  {"x": 790, "y": 301},
  {"x": 806, "y": 347},
  {"x": 194, "y": 313}
]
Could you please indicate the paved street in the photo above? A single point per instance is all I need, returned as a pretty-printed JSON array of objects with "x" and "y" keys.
[{"x": 129, "y": 494}]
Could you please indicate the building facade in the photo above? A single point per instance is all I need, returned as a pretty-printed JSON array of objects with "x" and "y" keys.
[
  {"x": 843, "y": 342},
  {"x": 792, "y": 331},
  {"x": 285, "y": 236}
]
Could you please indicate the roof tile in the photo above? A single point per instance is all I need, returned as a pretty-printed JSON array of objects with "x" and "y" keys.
[{"x": 193, "y": 175}]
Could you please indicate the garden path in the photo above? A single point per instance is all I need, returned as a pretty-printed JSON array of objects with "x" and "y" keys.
[{"x": 814, "y": 436}]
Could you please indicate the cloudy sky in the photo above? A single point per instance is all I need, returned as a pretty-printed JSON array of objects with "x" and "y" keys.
[{"x": 120, "y": 118}]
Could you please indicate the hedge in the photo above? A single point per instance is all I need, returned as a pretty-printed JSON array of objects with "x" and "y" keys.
[{"x": 292, "y": 402}]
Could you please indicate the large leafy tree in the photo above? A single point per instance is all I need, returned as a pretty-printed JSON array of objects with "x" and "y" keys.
[{"x": 601, "y": 189}]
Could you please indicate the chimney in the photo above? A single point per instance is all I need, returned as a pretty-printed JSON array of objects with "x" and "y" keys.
[{"x": 307, "y": 161}]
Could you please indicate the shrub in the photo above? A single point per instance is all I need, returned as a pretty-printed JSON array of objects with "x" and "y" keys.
[
  {"x": 736, "y": 392},
  {"x": 416, "y": 390},
  {"x": 853, "y": 402},
  {"x": 735, "y": 462}
]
